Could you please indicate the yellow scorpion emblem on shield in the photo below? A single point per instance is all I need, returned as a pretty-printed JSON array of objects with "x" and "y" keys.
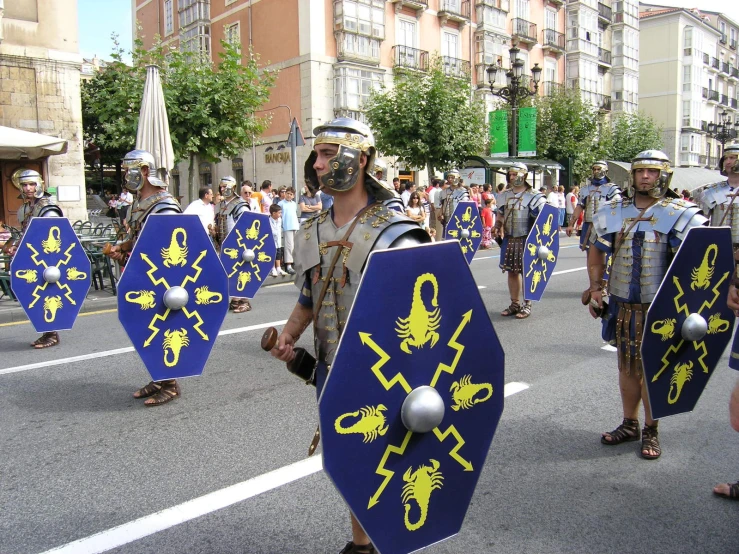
[
  {"x": 231, "y": 253},
  {"x": 464, "y": 391},
  {"x": 717, "y": 325},
  {"x": 53, "y": 244},
  {"x": 370, "y": 425},
  {"x": 176, "y": 254},
  {"x": 51, "y": 305},
  {"x": 664, "y": 327},
  {"x": 73, "y": 274},
  {"x": 174, "y": 342},
  {"x": 702, "y": 274},
  {"x": 144, "y": 298},
  {"x": 203, "y": 295},
  {"x": 547, "y": 227},
  {"x": 420, "y": 326},
  {"x": 419, "y": 486},
  {"x": 243, "y": 278},
  {"x": 263, "y": 257},
  {"x": 683, "y": 373},
  {"x": 252, "y": 233},
  {"x": 467, "y": 215},
  {"x": 28, "y": 275}
]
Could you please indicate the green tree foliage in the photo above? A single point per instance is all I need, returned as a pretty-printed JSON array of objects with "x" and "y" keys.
[
  {"x": 631, "y": 134},
  {"x": 427, "y": 119},
  {"x": 568, "y": 127},
  {"x": 210, "y": 106}
]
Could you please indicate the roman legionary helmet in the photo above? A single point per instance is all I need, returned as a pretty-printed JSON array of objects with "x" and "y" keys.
[
  {"x": 600, "y": 169},
  {"x": 23, "y": 176},
  {"x": 227, "y": 185},
  {"x": 133, "y": 162},
  {"x": 353, "y": 138},
  {"x": 730, "y": 150},
  {"x": 651, "y": 159},
  {"x": 520, "y": 170},
  {"x": 454, "y": 174},
  {"x": 380, "y": 170}
]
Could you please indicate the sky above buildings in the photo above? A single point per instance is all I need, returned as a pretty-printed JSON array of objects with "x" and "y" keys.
[{"x": 100, "y": 18}]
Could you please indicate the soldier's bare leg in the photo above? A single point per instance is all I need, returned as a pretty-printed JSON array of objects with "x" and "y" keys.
[
  {"x": 514, "y": 288},
  {"x": 360, "y": 541}
]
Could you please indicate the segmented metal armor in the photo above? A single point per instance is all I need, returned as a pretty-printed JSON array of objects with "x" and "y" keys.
[
  {"x": 517, "y": 210},
  {"x": 378, "y": 228},
  {"x": 160, "y": 202},
  {"x": 650, "y": 246},
  {"x": 42, "y": 207},
  {"x": 717, "y": 201},
  {"x": 593, "y": 196},
  {"x": 228, "y": 214}
]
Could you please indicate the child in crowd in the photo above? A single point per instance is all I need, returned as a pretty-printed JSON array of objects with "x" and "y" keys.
[
  {"x": 275, "y": 222},
  {"x": 487, "y": 224},
  {"x": 432, "y": 234},
  {"x": 290, "y": 226}
]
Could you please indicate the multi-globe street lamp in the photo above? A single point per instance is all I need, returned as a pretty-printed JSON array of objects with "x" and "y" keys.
[
  {"x": 516, "y": 90},
  {"x": 724, "y": 130}
]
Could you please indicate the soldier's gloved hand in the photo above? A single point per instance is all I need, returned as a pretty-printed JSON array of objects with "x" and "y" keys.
[
  {"x": 283, "y": 350},
  {"x": 596, "y": 300},
  {"x": 732, "y": 300}
]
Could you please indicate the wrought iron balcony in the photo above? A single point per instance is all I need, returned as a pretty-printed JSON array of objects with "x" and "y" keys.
[
  {"x": 733, "y": 103},
  {"x": 454, "y": 10},
  {"x": 714, "y": 63},
  {"x": 454, "y": 67},
  {"x": 713, "y": 96},
  {"x": 605, "y": 13},
  {"x": 523, "y": 30},
  {"x": 605, "y": 104},
  {"x": 732, "y": 44},
  {"x": 416, "y": 5},
  {"x": 552, "y": 40},
  {"x": 552, "y": 87},
  {"x": 410, "y": 58},
  {"x": 706, "y": 58},
  {"x": 722, "y": 40},
  {"x": 725, "y": 67},
  {"x": 734, "y": 73},
  {"x": 604, "y": 57},
  {"x": 724, "y": 99}
]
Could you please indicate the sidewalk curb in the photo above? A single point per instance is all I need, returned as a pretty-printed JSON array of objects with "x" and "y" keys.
[{"x": 15, "y": 314}]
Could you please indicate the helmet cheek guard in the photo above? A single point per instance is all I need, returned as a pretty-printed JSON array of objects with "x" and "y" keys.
[
  {"x": 132, "y": 163},
  {"x": 24, "y": 176},
  {"x": 343, "y": 169},
  {"x": 651, "y": 159}
]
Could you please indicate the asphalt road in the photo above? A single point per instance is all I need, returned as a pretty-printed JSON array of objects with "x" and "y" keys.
[{"x": 79, "y": 456}]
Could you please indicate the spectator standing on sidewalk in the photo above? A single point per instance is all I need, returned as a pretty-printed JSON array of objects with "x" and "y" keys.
[
  {"x": 290, "y": 226},
  {"x": 124, "y": 202},
  {"x": 275, "y": 223},
  {"x": 266, "y": 197},
  {"x": 310, "y": 204}
]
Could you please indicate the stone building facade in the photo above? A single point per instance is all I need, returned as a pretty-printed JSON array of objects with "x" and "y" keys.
[{"x": 40, "y": 92}]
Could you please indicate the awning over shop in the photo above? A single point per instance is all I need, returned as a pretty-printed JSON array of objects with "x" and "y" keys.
[
  {"x": 17, "y": 145},
  {"x": 501, "y": 163}
]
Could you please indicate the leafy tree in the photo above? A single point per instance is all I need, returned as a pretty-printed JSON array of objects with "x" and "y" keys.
[
  {"x": 427, "y": 119},
  {"x": 210, "y": 106},
  {"x": 631, "y": 134},
  {"x": 568, "y": 127}
]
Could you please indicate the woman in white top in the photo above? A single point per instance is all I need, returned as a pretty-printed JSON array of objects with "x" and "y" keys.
[{"x": 414, "y": 210}]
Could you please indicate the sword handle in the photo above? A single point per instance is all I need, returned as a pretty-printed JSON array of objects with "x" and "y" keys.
[{"x": 301, "y": 365}]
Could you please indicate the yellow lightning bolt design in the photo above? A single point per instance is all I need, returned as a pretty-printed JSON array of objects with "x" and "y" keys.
[
  {"x": 452, "y": 430},
  {"x": 366, "y": 339},
  {"x": 155, "y": 330},
  {"x": 67, "y": 294},
  {"x": 195, "y": 266},
  {"x": 442, "y": 367},
  {"x": 257, "y": 271},
  {"x": 61, "y": 286},
  {"x": 35, "y": 255},
  {"x": 36, "y": 296},
  {"x": 386, "y": 473},
  {"x": 197, "y": 326},
  {"x": 150, "y": 273},
  {"x": 68, "y": 254}
]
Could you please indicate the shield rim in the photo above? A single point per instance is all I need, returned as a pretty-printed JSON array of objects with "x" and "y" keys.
[{"x": 89, "y": 264}]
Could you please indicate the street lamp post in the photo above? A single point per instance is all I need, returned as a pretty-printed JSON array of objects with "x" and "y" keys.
[
  {"x": 515, "y": 90},
  {"x": 724, "y": 130}
]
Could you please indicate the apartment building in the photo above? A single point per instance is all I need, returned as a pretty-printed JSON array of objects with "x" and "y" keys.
[
  {"x": 40, "y": 93},
  {"x": 331, "y": 53},
  {"x": 603, "y": 52},
  {"x": 689, "y": 80}
]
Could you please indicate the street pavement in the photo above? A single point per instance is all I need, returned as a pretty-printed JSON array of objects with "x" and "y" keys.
[{"x": 81, "y": 457}]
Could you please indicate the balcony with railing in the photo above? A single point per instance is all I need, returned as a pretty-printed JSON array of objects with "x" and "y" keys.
[
  {"x": 722, "y": 39},
  {"x": 605, "y": 13},
  {"x": 416, "y": 5},
  {"x": 715, "y": 63},
  {"x": 604, "y": 57},
  {"x": 733, "y": 103},
  {"x": 724, "y": 100},
  {"x": 734, "y": 73},
  {"x": 454, "y": 67},
  {"x": 550, "y": 88},
  {"x": 523, "y": 30},
  {"x": 706, "y": 58},
  {"x": 725, "y": 67},
  {"x": 713, "y": 96},
  {"x": 552, "y": 40},
  {"x": 732, "y": 44},
  {"x": 454, "y": 10},
  {"x": 356, "y": 48},
  {"x": 405, "y": 57}
]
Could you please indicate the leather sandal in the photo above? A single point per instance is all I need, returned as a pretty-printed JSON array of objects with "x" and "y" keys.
[
  {"x": 169, "y": 390},
  {"x": 242, "y": 307},
  {"x": 628, "y": 431},
  {"x": 352, "y": 548},
  {"x": 46, "y": 340},
  {"x": 513, "y": 309},
  {"x": 525, "y": 311},
  {"x": 149, "y": 390},
  {"x": 650, "y": 442}
]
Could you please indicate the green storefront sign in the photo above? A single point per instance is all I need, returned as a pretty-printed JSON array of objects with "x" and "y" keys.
[
  {"x": 527, "y": 132},
  {"x": 498, "y": 133}
]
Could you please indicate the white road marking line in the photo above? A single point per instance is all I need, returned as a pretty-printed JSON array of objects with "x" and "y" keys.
[
  {"x": 481, "y": 286},
  {"x": 117, "y": 351},
  {"x": 568, "y": 271},
  {"x": 206, "y": 504}
]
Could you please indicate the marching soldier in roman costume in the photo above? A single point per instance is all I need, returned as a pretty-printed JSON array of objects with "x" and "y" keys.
[
  {"x": 600, "y": 189},
  {"x": 518, "y": 205},
  {"x": 36, "y": 203},
  {"x": 718, "y": 201},
  {"x": 380, "y": 170},
  {"x": 227, "y": 214},
  {"x": 333, "y": 246},
  {"x": 152, "y": 197},
  {"x": 641, "y": 233}
]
